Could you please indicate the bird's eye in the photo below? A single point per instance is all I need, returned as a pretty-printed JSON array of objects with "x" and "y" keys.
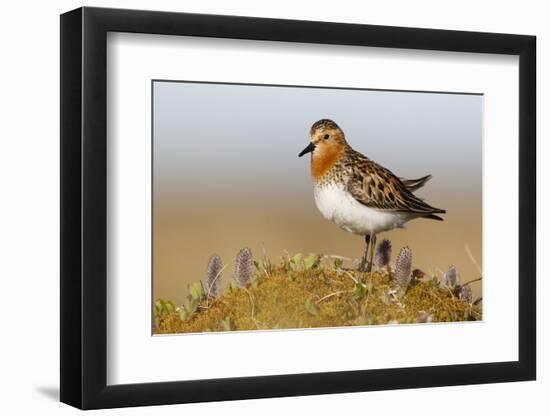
[{"x": 326, "y": 136}]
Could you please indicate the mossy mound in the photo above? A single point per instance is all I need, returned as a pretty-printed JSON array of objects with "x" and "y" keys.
[{"x": 311, "y": 294}]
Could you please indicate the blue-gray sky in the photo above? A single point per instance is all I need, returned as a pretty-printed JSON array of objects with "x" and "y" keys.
[{"x": 245, "y": 134}]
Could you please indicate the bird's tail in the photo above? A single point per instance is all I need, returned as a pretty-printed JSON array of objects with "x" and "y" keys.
[
  {"x": 413, "y": 185},
  {"x": 433, "y": 217}
]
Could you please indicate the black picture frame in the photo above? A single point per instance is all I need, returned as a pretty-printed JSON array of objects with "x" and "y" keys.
[{"x": 84, "y": 207}]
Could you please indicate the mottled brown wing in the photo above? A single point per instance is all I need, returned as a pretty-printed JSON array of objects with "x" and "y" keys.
[{"x": 377, "y": 187}]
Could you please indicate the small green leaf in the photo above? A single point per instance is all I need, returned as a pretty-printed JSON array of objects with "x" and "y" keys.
[
  {"x": 184, "y": 314},
  {"x": 169, "y": 307},
  {"x": 359, "y": 291},
  {"x": 196, "y": 290},
  {"x": 158, "y": 307},
  {"x": 312, "y": 261},
  {"x": 228, "y": 324},
  {"x": 338, "y": 263},
  {"x": 192, "y": 306},
  {"x": 311, "y": 308},
  {"x": 233, "y": 286},
  {"x": 296, "y": 261}
]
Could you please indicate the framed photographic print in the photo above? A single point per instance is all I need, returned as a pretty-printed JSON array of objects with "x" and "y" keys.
[{"x": 258, "y": 207}]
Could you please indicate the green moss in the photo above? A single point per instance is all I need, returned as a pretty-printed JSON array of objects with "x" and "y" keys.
[{"x": 304, "y": 293}]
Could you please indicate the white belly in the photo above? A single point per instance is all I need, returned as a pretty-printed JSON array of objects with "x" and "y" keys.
[{"x": 340, "y": 207}]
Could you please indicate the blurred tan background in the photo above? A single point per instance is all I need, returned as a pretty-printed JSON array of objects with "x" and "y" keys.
[{"x": 227, "y": 175}]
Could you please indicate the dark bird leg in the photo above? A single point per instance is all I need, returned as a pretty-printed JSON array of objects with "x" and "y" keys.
[
  {"x": 371, "y": 256},
  {"x": 364, "y": 261}
]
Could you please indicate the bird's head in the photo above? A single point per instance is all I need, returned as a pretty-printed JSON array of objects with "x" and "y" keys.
[
  {"x": 327, "y": 143},
  {"x": 326, "y": 138}
]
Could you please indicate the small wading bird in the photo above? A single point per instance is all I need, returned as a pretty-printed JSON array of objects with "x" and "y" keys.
[{"x": 356, "y": 193}]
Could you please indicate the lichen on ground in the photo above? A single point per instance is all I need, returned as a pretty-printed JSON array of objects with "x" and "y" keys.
[{"x": 307, "y": 293}]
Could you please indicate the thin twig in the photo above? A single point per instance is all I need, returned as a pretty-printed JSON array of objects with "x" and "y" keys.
[
  {"x": 471, "y": 281},
  {"x": 348, "y": 274},
  {"x": 433, "y": 294},
  {"x": 265, "y": 260},
  {"x": 450, "y": 292},
  {"x": 332, "y": 295},
  {"x": 343, "y": 258},
  {"x": 469, "y": 253},
  {"x": 253, "y": 309}
]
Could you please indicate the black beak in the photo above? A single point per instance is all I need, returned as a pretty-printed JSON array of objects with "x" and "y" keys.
[{"x": 309, "y": 148}]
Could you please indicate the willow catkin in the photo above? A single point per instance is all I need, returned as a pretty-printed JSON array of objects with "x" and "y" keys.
[
  {"x": 383, "y": 254},
  {"x": 452, "y": 277},
  {"x": 212, "y": 278},
  {"x": 244, "y": 267},
  {"x": 403, "y": 267},
  {"x": 466, "y": 293}
]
